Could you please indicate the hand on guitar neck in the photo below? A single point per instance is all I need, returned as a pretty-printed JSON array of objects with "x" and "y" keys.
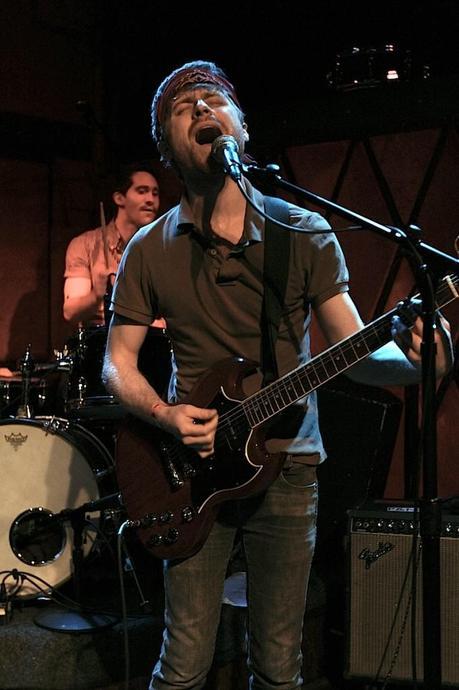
[{"x": 409, "y": 338}]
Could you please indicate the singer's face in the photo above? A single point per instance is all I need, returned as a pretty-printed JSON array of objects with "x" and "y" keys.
[{"x": 197, "y": 117}]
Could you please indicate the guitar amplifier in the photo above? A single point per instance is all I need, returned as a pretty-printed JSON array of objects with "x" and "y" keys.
[{"x": 379, "y": 600}]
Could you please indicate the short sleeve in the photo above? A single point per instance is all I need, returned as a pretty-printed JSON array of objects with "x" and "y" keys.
[
  {"x": 77, "y": 264},
  {"x": 133, "y": 295},
  {"x": 324, "y": 261}
]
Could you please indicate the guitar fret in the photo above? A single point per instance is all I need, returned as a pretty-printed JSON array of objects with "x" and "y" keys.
[
  {"x": 282, "y": 396},
  {"x": 298, "y": 387},
  {"x": 300, "y": 382},
  {"x": 256, "y": 413},
  {"x": 306, "y": 382},
  {"x": 330, "y": 366},
  {"x": 289, "y": 393},
  {"x": 311, "y": 373},
  {"x": 249, "y": 410},
  {"x": 339, "y": 360},
  {"x": 269, "y": 406}
]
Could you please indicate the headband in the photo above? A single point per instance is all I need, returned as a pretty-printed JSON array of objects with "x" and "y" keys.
[{"x": 185, "y": 77}]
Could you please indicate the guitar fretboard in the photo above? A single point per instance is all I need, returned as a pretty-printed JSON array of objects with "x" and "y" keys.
[{"x": 297, "y": 384}]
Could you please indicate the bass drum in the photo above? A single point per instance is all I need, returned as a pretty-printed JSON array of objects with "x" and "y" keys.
[{"x": 47, "y": 465}]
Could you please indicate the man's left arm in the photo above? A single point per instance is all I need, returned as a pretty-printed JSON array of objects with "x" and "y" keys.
[{"x": 392, "y": 364}]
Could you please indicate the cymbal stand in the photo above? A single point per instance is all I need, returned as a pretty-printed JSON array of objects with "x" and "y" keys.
[{"x": 27, "y": 367}]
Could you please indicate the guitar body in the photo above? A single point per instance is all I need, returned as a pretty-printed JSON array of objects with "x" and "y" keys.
[{"x": 171, "y": 494}]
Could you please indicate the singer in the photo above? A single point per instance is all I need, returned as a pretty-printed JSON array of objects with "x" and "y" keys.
[{"x": 203, "y": 267}]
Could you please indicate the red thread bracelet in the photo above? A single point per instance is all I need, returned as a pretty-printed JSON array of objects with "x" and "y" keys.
[{"x": 160, "y": 403}]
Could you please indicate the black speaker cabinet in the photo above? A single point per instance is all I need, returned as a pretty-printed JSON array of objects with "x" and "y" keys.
[
  {"x": 379, "y": 547},
  {"x": 359, "y": 426}
]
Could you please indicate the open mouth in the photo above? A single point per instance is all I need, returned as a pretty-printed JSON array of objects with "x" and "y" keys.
[{"x": 206, "y": 135}]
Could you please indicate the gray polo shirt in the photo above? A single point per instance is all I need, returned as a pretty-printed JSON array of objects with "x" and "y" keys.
[{"x": 211, "y": 295}]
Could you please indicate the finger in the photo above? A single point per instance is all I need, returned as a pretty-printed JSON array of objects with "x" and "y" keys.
[
  {"x": 205, "y": 446},
  {"x": 401, "y": 334},
  {"x": 416, "y": 342},
  {"x": 199, "y": 434},
  {"x": 418, "y": 326},
  {"x": 200, "y": 413}
]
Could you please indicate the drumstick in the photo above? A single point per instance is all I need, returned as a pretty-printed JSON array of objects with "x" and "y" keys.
[{"x": 104, "y": 233}]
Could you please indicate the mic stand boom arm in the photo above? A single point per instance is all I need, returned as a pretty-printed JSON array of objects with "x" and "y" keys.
[{"x": 424, "y": 261}]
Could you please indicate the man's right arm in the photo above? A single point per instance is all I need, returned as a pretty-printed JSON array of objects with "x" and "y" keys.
[
  {"x": 120, "y": 372},
  {"x": 82, "y": 299},
  {"x": 124, "y": 380}
]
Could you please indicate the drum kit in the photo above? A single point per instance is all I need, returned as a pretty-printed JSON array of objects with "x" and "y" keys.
[{"x": 57, "y": 454}]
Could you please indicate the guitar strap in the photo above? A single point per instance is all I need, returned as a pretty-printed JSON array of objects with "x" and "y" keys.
[{"x": 275, "y": 276}]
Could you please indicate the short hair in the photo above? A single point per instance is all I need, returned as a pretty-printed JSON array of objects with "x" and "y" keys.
[{"x": 124, "y": 174}]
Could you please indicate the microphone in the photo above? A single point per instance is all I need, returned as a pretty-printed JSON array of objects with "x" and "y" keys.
[{"x": 225, "y": 151}]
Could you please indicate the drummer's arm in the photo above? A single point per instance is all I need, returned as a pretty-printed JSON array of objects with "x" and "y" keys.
[
  {"x": 120, "y": 372},
  {"x": 81, "y": 298}
]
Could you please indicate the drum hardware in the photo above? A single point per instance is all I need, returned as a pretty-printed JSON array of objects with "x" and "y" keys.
[
  {"x": 368, "y": 67},
  {"x": 57, "y": 463},
  {"x": 27, "y": 367},
  {"x": 86, "y": 397},
  {"x": 53, "y": 425},
  {"x": 23, "y": 393},
  {"x": 37, "y": 536},
  {"x": 34, "y": 527}
]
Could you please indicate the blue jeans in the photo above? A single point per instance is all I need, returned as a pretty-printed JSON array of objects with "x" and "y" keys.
[{"x": 278, "y": 532}]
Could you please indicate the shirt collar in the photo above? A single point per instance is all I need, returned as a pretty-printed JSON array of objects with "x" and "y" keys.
[
  {"x": 114, "y": 239},
  {"x": 254, "y": 223}
]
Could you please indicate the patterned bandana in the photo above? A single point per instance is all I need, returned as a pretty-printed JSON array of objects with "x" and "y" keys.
[{"x": 182, "y": 78}]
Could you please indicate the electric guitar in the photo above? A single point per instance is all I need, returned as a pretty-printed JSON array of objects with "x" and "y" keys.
[{"x": 172, "y": 495}]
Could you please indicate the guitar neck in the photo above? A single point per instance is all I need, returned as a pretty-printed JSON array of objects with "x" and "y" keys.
[{"x": 299, "y": 383}]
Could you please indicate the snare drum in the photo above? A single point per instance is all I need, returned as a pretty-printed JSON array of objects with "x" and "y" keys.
[
  {"x": 87, "y": 397},
  {"x": 47, "y": 465}
]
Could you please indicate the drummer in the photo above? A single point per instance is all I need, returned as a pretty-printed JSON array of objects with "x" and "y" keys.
[{"x": 92, "y": 258}]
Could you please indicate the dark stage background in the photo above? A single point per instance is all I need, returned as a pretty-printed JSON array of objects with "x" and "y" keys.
[{"x": 76, "y": 83}]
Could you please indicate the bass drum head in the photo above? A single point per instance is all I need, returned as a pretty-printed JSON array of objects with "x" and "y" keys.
[{"x": 46, "y": 466}]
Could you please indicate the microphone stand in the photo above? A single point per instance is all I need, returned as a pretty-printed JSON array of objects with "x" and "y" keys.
[
  {"x": 425, "y": 261},
  {"x": 73, "y": 621}
]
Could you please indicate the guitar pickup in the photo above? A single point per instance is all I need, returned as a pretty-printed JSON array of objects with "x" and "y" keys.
[{"x": 172, "y": 472}]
